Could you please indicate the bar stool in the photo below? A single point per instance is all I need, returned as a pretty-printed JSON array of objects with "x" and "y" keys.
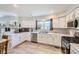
[{"x": 4, "y": 44}]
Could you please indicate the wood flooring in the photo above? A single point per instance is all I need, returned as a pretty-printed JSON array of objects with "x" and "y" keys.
[{"x": 34, "y": 48}]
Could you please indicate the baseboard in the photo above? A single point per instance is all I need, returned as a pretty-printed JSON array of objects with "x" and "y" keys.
[
  {"x": 50, "y": 45},
  {"x": 45, "y": 44},
  {"x": 38, "y": 43},
  {"x": 19, "y": 44}
]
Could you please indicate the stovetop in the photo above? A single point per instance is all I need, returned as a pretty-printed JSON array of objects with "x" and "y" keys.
[{"x": 71, "y": 39}]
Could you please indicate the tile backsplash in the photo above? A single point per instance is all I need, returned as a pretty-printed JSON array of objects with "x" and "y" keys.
[{"x": 64, "y": 31}]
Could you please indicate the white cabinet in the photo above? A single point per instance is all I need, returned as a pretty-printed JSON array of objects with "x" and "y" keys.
[
  {"x": 14, "y": 40},
  {"x": 17, "y": 38},
  {"x": 55, "y": 23},
  {"x": 67, "y": 19},
  {"x": 26, "y": 36},
  {"x": 57, "y": 39},
  {"x": 51, "y": 39},
  {"x": 41, "y": 38},
  {"x": 28, "y": 23},
  {"x": 77, "y": 12},
  {"x": 72, "y": 16},
  {"x": 62, "y": 22},
  {"x": 45, "y": 38},
  {"x": 59, "y": 22}
]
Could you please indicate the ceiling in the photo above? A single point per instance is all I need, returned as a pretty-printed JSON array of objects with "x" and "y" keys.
[{"x": 29, "y": 10}]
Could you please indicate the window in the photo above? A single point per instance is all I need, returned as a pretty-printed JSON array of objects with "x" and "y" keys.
[{"x": 43, "y": 25}]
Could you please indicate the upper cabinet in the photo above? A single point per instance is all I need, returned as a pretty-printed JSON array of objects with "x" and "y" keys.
[
  {"x": 59, "y": 22},
  {"x": 72, "y": 16},
  {"x": 28, "y": 23},
  {"x": 67, "y": 19},
  {"x": 55, "y": 23},
  {"x": 9, "y": 21},
  {"x": 77, "y": 12},
  {"x": 62, "y": 22}
]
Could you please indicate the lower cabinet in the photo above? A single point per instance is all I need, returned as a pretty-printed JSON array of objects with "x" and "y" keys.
[
  {"x": 45, "y": 38},
  {"x": 26, "y": 36},
  {"x": 74, "y": 48},
  {"x": 14, "y": 40},
  {"x": 51, "y": 39},
  {"x": 18, "y": 38}
]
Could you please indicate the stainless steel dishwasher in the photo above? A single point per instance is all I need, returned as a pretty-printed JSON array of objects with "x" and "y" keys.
[{"x": 34, "y": 37}]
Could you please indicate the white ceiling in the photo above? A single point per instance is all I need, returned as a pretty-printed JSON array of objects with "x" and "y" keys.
[{"x": 33, "y": 9}]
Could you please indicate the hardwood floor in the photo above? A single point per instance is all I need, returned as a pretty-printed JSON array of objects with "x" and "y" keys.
[{"x": 34, "y": 48}]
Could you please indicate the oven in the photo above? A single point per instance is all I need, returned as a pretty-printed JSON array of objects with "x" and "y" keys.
[
  {"x": 70, "y": 24},
  {"x": 65, "y": 44}
]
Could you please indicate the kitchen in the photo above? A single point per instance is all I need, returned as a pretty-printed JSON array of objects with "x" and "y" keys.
[{"x": 39, "y": 25}]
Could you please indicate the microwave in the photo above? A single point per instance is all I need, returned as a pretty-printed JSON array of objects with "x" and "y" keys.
[
  {"x": 73, "y": 24},
  {"x": 70, "y": 24}
]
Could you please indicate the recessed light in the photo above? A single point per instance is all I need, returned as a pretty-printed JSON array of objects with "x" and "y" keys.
[{"x": 14, "y": 5}]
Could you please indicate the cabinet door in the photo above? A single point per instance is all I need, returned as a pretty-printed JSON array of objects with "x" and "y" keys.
[
  {"x": 22, "y": 38},
  {"x": 55, "y": 23},
  {"x": 72, "y": 16},
  {"x": 46, "y": 39},
  {"x": 40, "y": 38},
  {"x": 62, "y": 22},
  {"x": 26, "y": 36},
  {"x": 57, "y": 40},
  {"x": 15, "y": 39},
  {"x": 67, "y": 19},
  {"x": 77, "y": 12},
  {"x": 50, "y": 39},
  {"x": 28, "y": 23}
]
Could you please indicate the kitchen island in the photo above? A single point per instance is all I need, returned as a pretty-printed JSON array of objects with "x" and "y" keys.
[{"x": 17, "y": 38}]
